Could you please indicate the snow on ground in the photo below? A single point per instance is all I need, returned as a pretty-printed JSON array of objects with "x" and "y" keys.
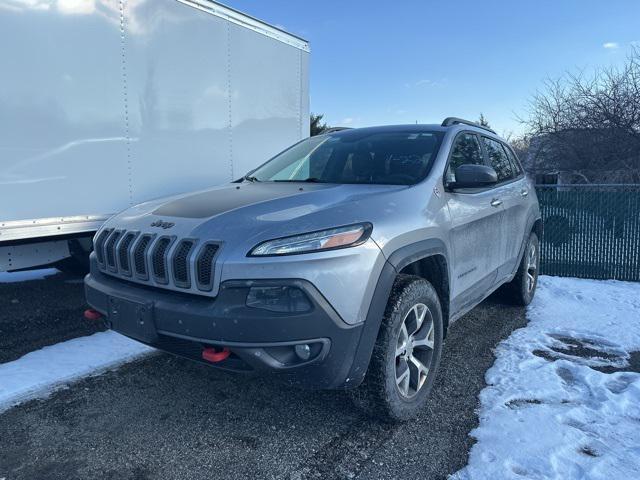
[
  {"x": 40, "y": 274},
  {"x": 39, "y": 373},
  {"x": 562, "y": 400}
]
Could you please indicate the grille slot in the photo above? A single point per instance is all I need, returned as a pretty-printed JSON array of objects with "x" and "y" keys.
[
  {"x": 123, "y": 253},
  {"x": 181, "y": 257},
  {"x": 204, "y": 266},
  {"x": 158, "y": 259},
  {"x": 139, "y": 256},
  {"x": 110, "y": 250},
  {"x": 99, "y": 244}
]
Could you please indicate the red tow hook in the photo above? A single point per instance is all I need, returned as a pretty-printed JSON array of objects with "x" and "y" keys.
[
  {"x": 212, "y": 355},
  {"x": 91, "y": 314}
]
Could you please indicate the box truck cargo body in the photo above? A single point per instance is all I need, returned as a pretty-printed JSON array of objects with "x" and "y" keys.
[{"x": 105, "y": 104}]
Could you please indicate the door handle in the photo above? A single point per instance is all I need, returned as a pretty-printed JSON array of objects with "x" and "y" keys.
[
  {"x": 496, "y": 202},
  {"x": 524, "y": 192}
]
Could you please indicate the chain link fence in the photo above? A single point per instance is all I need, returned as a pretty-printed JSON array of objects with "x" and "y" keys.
[{"x": 590, "y": 231}]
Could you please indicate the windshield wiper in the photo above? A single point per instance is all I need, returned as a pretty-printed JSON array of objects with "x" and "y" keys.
[
  {"x": 308, "y": 180},
  {"x": 250, "y": 178}
]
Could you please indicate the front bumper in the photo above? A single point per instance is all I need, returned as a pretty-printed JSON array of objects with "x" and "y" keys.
[{"x": 259, "y": 340}]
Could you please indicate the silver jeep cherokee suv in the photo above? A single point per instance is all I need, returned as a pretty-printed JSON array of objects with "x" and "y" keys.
[{"x": 339, "y": 263}]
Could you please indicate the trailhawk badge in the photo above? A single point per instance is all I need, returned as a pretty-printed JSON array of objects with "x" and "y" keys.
[{"x": 162, "y": 224}]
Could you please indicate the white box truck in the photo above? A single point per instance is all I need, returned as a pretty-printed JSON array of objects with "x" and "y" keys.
[{"x": 109, "y": 103}]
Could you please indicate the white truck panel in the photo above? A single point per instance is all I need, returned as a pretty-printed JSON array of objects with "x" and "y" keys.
[
  {"x": 60, "y": 115},
  {"x": 110, "y": 103}
]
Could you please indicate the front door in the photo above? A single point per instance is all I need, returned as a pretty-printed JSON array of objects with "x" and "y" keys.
[{"x": 477, "y": 221}]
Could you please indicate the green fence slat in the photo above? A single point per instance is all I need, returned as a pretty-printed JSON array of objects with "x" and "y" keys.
[{"x": 590, "y": 231}]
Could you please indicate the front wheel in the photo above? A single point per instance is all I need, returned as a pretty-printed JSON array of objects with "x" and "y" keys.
[{"x": 406, "y": 354}]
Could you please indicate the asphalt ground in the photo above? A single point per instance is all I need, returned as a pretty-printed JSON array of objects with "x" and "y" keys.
[
  {"x": 37, "y": 313},
  {"x": 169, "y": 418}
]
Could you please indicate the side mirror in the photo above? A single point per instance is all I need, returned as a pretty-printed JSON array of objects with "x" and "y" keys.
[{"x": 474, "y": 176}]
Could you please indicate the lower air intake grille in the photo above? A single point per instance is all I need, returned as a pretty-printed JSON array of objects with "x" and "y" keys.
[{"x": 205, "y": 266}]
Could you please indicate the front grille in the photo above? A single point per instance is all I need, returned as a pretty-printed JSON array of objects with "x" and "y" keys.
[
  {"x": 123, "y": 252},
  {"x": 160, "y": 261},
  {"x": 111, "y": 250},
  {"x": 181, "y": 263},
  {"x": 204, "y": 266},
  {"x": 99, "y": 245},
  {"x": 139, "y": 256}
]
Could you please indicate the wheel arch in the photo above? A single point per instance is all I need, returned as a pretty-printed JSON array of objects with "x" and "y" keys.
[
  {"x": 534, "y": 225},
  {"x": 430, "y": 259},
  {"x": 537, "y": 228}
]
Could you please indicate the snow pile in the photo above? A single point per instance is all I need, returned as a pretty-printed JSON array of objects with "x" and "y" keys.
[
  {"x": 563, "y": 397},
  {"x": 39, "y": 373}
]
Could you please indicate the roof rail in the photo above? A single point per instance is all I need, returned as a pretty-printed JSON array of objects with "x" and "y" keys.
[
  {"x": 336, "y": 129},
  {"x": 455, "y": 121}
]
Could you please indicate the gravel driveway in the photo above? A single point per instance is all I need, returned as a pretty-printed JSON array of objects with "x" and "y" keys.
[{"x": 165, "y": 417}]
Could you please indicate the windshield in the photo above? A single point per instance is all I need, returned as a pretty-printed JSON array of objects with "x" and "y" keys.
[{"x": 392, "y": 158}]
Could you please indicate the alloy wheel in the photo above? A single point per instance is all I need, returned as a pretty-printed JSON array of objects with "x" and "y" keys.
[
  {"x": 532, "y": 267},
  {"x": 414, "y": 350}
]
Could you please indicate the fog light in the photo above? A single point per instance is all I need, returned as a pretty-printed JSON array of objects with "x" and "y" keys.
[
  {"x": 278, "y": 299},
  {"x": 303, "y": 351}
]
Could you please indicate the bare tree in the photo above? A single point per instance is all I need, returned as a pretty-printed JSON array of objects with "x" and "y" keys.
[{"x": 586, "y": 128}]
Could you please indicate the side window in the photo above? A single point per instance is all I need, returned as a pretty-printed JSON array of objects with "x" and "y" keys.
[
  {"x": 465, "y": 150},
  {"x": 498, "y": 159},
  {"x": 517, "y": 169}
]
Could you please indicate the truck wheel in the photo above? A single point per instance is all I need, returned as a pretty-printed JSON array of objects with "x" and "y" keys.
[
  {"x": 72, "y": 266},
  {"x": 78, "y": 262},
  {"x": 522, "y": 288},
  {"x": 406, "y": 354}
]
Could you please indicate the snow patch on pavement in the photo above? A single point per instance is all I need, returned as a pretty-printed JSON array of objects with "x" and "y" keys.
[
  {"x": 39, "y": 373},
  {"x": 563, "y": 397},
  {"x": 27, "y": 275}
]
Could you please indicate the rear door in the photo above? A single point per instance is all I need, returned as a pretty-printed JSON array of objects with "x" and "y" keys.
[
  {"x": 511, "y": 190},
  {"x": 476, "y": 227}
]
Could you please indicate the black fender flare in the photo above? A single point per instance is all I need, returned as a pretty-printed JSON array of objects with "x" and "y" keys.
[
  {"x": 395, "y": 263},
  {"x": 531, "y": 221}
]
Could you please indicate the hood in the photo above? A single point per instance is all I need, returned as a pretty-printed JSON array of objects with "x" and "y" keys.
[
  {"x": 240, "y": 214},
  {"x": 210, "y": 203}
]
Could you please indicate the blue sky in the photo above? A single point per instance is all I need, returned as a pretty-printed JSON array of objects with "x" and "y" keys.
[{"x": 384, "y": 62}]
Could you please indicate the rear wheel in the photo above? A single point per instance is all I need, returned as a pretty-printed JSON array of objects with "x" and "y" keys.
[
  {"x": 406, "y": 354},
  {"x": 77, "y": 263},
  {"x": 73, "y": 266},
  {"x": 522, "y": 288}
]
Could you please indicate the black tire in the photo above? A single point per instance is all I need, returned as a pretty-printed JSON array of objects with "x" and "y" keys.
[
  {"x": 77, "y": 263},
  {"x": 73, "y": 266},
  {"x": 522, "y": 288},
  {"x": 381, "y": 396}
]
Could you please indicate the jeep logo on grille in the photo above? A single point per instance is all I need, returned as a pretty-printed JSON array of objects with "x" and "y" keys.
[{"x": 162, "y": 224}]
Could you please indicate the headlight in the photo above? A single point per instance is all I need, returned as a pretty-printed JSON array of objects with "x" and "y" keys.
[{"x": 340, "y": 237}]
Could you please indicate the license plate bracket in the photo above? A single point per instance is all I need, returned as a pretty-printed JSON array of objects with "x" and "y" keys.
[{"x": 133, "y": 319}]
